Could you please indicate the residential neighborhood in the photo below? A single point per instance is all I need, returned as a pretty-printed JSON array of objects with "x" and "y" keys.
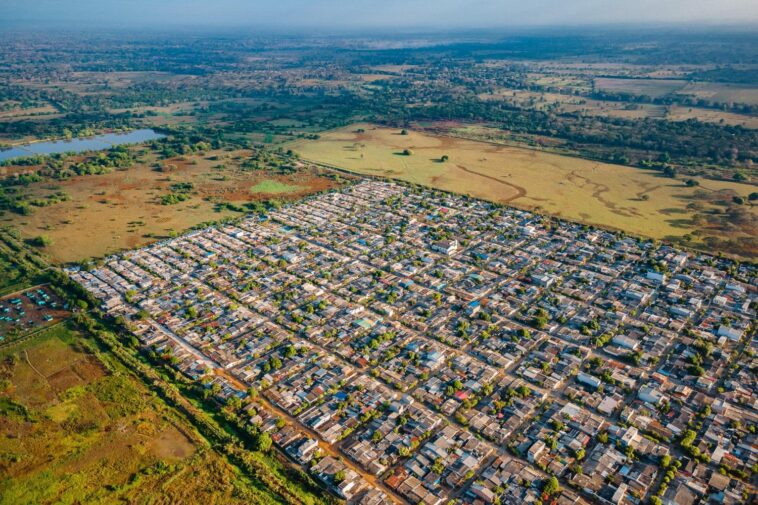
[{"x": 412, "y": 346}]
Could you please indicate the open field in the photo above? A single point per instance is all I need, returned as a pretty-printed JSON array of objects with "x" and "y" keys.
[
  {"x": 566, "y": 103},
  {"x": 656, "y": 88},
  {"x": 677, "y": 113},
  {"x": 653, "y": 88},
  {"x": 123, "y": 209},
  {"x": 16, "y": 114},
  {"x": 77, "y": 429},
  {"x": 722, "y": 92},
  {"x": 11, "y": 277},
  {"x": 274, "y": 187},
  {"x": 615, "y": 196}
]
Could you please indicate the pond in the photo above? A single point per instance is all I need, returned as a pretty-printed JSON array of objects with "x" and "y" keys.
[{"x": 96, "y": 143}]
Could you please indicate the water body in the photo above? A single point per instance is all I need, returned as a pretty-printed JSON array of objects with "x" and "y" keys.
[{"x": 97, "y": 143}]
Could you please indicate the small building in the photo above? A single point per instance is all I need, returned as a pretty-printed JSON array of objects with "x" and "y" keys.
[
  {"x": 448, "y": 247},
  {"x": 589, "y": 380},
  {"x": 626, "y": 342},
  {"x": 729, "y": 332},
  {"x": 650, "y": 395}
]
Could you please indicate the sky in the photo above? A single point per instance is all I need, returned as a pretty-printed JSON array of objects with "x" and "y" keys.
[{"x": 380, "y": 14}]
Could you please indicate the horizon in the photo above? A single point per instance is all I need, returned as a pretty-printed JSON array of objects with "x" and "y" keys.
[
  {"x": 435, "y": 34},
  {"x": 393, "y": 16}
]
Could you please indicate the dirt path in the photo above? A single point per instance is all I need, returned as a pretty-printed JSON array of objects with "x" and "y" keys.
[
  {"x": 599, "y": 191},
  {"x": 520, "y": 192},
  {"x": 26, "y": 357}
]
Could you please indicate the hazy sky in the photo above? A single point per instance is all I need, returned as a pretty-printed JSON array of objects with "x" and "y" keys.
[{"x": 347, "y": 14}]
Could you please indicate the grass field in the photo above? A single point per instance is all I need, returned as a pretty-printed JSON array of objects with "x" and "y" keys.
[
  {"x": 653, "y": 88},
  {"x": 123, "y": 210},
  {"x": 76, "y": 428},
  {"x": 11, "y": 277},
  {"x": 271, "y": 186},
  {"x": 722, "y": 92},
  {"x": 567, "y": 103},
  {"x": 619, "y": 197}
]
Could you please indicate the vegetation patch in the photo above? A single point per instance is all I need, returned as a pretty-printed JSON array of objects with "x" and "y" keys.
[
  {"x": 124, "y": 209},
  {"x": 273, "y": 187},
  {"x": 103, "y": 439}
]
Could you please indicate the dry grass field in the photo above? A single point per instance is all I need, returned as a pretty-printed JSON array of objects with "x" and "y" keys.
[
  {"x": 77, "y": 429},
  {"x": 614, "y": 196},
  {"x": 123, "y": 210},
  {"x": 653, "y": 88},
  {"x": 19, "y": 113},
  {"x": 722, "y": 92},
  {"x": 567, "y": 103}
]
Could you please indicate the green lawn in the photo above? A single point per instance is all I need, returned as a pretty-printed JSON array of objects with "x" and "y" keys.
[{"x": 272, "y": 186}]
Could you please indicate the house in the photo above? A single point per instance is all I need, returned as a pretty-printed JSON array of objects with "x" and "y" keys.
[
  {"x": 543, "y": 280},
  {"x": 589, "y": 380},
  {"x": 656, "y": 277},
  {"x": 448, "y": 247},
  {"x": 536, "y": 450},
  {"x": 678, "y": 493},
  {"x": 729, "y": 332},
  {"x": 651, "y": 395},
  {"x": 305, "y": 448},
  {"x": 626, "y": 342}
]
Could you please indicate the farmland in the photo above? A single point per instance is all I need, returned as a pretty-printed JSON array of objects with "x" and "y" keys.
[
  {"x": 657, "y": 88},
  {"x": 78, "y": 429},
  {"x": 568, "y": 103},
  {"x": 722, "y": 92},
  {"x": 624, "y": 198},
  {"x": 653, "y": 88}
]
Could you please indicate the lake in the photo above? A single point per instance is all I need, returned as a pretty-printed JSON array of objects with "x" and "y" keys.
[{"x": 96, "y": 143}]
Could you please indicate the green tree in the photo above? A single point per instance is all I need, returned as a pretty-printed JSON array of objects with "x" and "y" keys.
[
  {"x": 263, "y": 442},
  {"x": 438, "y": 467},
  {"x": 551, "y": 486},
  {"x": 40, "y": 241},
  {"x": 339, "y": 477}
]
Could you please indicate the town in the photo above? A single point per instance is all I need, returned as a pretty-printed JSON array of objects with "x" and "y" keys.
[{"x": 411, "y": 346}]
